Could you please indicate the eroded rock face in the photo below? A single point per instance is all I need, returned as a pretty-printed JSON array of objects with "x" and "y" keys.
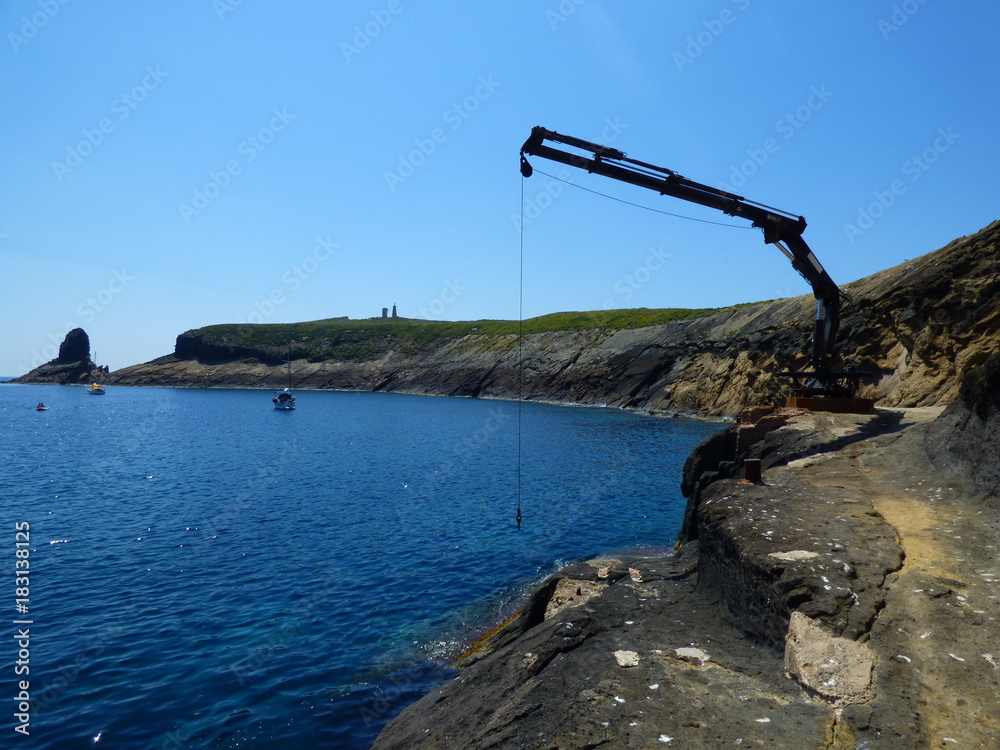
[
  {"x": 837, "y": 669},
  {"x": 645, "y": 662},
  {"x": 793, "y": 621},
  {"x": 75, "y": 347},
  {"x": 72, "y": 366},
  {"x": 571, "y": 593},
  {"x": 917, "y": 327},
  {"x": 966, "y": 437}
]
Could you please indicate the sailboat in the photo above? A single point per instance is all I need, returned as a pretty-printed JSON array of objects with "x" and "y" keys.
[
  {"x": 284, "y": 400},
  {"x": 96, "y": 389}
]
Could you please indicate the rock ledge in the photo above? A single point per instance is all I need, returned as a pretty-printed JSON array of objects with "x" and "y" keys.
[{"x": 809, "y": 611}]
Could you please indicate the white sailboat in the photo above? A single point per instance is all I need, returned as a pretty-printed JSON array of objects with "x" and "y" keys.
[
  {"x": 95, "y": 389},
  {"x": 284, "y": 400}
]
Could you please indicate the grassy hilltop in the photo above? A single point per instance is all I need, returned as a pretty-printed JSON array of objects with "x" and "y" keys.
[{"x": 345, "y": 339}]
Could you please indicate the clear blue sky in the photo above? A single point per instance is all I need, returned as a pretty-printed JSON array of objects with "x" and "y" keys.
[{"x": 177, "y": 164}]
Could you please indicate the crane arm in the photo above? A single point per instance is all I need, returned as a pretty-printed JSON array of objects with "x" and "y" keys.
[{"x": 780, "y": 228}]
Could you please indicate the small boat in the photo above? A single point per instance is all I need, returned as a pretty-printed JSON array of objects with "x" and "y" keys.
[
  {"x": 96, "y": 389},
  {"x": 41, "y": 407},
  {"x": 284, "y": 400}
]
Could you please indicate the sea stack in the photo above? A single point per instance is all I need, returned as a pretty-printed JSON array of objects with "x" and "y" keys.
[
  {"x": 75, "y": 347},
  {"x": 73, "y": 365}
]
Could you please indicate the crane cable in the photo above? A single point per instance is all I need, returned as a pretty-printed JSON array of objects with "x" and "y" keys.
[
  {"x": 520, "y": 352},
  {"x": 520, "y": 302},
  {"x": 630, "y": 203}
]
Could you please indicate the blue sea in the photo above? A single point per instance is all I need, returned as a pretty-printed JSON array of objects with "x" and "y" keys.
[{"x": 207, "y": 572}]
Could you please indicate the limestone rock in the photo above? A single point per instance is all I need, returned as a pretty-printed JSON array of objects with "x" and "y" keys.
[
  {"x": 837, "y": 669},
  {"x": 794, "y": 555},
  {"x": 627, "y": 658},
  {"x": 570, "y": 592},
  {"x": 692, "y": 655}
]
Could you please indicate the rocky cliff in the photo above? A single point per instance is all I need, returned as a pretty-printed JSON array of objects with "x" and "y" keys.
[
  {"x": 917, "y": 327},
  {"x": 72, "y": 366},
  {"x": 846, "y": 601}
]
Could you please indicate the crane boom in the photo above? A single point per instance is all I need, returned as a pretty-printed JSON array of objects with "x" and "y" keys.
[{"x": 780, "y": 227}]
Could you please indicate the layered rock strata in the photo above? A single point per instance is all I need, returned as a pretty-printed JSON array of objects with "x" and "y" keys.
[
  {"x": 848, "y": 600},
  {"x": 916, "y": 328}
]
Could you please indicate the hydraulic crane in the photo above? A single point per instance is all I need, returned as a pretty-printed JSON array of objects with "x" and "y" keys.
[{"x": 780, "y": 228}]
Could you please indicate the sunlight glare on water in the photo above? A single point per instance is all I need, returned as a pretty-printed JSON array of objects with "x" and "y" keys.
[{"x": 208, "y": 572}]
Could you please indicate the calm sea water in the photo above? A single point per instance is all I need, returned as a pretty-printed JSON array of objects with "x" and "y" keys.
[{"x": 207, "y": 572}]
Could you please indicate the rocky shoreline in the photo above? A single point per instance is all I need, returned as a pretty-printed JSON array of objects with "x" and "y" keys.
[
  {"x": 915, "y": 328},
  {"x": 73, "y": 365},
  {"x": 849, "y": 600}
]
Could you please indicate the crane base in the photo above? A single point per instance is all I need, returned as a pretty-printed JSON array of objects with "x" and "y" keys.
[
  {"x": 837, "y": 404},
  {"x": 827, "y": 390}
]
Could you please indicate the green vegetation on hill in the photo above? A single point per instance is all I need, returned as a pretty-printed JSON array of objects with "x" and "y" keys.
[{"x": 346, "y": 339}]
